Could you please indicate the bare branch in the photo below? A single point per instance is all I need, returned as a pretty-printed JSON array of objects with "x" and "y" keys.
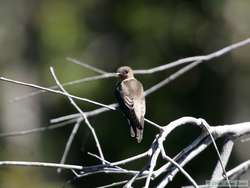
[
  {"x": 90, "y": 67},
  {"x": 134, "y": 178},
  {"x": 80, "y": 111},
  {"x": 196, "y": 61},
  {"x": 152, "y": 164},
  {"x": 172, "y": 167},
  {"x": 130, "y": 159},
  {"x": 55, "y": 91},
  {"x": 103, "y": 160},
  {"x": 207, "y": 126},
  {"x": 202, "y": 142},
  {"x": 88, "y": 114},
  {"x": 164, "y": 155},
  {"x": 35, "y": 130},
  {"x": 69, "y": 142},
  {"x": 172, "y": 77},
  {"x": 234, "y": 173},
  {"x": 195, "y": 58},
  {"x": 225, "y": 154},
  {"x": 238, "y": 170},
  {"x": 153, "y": 123},
  {"x": 83, "y": 80},
  {"x": 150, "y": 171},
  {"x": 40, "y": 164}
]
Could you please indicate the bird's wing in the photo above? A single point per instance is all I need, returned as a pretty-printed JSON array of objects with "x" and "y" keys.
[
  {"x": 134, "y": 100},
  {"x": 139, "y": 107},
  {"x": 128, "y": 101},
  {"x": 131, "y": 96},
  {"x": 131, "y": 92},
  {"x": 123, "y": 97}
]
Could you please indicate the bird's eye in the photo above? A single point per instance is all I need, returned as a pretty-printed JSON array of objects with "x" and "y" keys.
[{"x": 126, "y": 71}]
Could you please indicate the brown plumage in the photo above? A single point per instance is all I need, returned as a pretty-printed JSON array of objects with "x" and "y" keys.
[{"x": 130, "y": 96}]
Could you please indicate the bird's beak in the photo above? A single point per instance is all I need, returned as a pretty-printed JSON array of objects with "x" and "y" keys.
[{"x": 118, "y": 74}]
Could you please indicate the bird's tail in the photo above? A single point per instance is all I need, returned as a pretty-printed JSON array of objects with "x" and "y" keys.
[
  {"x": 136, "y": 128},
  {"x": 139, "y": 135},
  {"x": 139, "y": 131}
]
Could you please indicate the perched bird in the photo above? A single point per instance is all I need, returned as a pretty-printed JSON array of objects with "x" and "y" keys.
[{"x": 130, "y": 96}]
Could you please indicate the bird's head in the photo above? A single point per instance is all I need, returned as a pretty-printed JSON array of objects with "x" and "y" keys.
[{"x": 125, "y": 72}]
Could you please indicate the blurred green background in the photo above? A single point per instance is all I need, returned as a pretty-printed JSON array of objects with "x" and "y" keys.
[{"x": 36, "y": 34}]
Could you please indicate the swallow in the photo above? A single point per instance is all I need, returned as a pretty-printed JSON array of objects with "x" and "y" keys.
[{"x": 130, "y": 96}]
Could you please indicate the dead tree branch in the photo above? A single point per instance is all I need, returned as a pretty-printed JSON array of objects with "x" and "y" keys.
[{"x": 150, "y": 171}]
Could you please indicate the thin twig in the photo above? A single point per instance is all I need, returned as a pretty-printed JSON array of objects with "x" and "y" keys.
[
  {"x": 154, "y": 157},
  {"x": 103, "y": 160},
  {"x": 184, "y": 172},
  {"x": 40, "y": 164},
  {"x": 55, "y": 91},
  {"x": 237, "y": 171},
  {"x": 195, "y": 58},
  {"x": 69, "y": 142},
  {"x": 225, "y": 154},
  {"x": 80, "y": 111},
  {"x": 153, "y": 123},
  {"x": 35, "y": 130},
  {"x": 88, "y": 114},
  {"x": 74, "y": 82},
  {"x": 207, "y": 126},
  {"x": 234, "y": 173},
  {"x": 90, "y": 67},
  {"x": 107, "y": 162},
  {"x": 130, "y": 159},
  {"x": 172, "y": 77},
  {"x": 134, "y": 178}
]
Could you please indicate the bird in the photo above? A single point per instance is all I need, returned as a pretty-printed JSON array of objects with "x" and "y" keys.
[{"x": 130, "y": 97}]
